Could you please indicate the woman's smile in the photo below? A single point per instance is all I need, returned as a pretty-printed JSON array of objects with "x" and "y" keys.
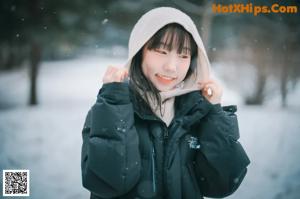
[{"x": 165, "y": 79}]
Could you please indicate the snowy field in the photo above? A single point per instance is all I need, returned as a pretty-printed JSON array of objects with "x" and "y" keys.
[{"x": 46, "y": 139}]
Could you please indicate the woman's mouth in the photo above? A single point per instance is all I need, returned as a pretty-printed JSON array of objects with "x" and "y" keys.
[{"x": 165, "y": 79}]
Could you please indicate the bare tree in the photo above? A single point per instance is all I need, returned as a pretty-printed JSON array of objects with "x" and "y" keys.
[{"x": 202, "y": 10}]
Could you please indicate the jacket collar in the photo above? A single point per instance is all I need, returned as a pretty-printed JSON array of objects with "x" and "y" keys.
[{"x": 183, "y": 104}]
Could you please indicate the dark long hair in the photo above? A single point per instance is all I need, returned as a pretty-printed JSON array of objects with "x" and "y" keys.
[{"x": 174, "y": 35}]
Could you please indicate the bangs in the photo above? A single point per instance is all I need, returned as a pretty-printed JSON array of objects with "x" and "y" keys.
[{"x": 173, "y": 36}]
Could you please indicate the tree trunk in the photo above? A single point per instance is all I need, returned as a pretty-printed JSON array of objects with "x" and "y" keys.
[
  {"x": 35, "y": 58},
  {"x": 283, "y": 86},
  {"x": 288, "y": 64},
  {"x": 261, "y": 68},
  {"x": 206, "y": 23},
  {"x": 258, "y": 97}
]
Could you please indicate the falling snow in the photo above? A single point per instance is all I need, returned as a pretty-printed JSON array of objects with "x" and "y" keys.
[{"x": 48, "y": 136}]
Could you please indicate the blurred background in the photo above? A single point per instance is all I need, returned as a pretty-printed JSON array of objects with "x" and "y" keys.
[{"x": 53, "y": 54}]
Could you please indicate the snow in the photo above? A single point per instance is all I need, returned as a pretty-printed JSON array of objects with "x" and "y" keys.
[
  {"x": 271, "y": 138},
  {"x": 46, "y": 139},
  {"x": 104, "y": 21}
]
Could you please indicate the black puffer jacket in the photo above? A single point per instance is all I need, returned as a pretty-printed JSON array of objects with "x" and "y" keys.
[{"x": 128, "y": 152}]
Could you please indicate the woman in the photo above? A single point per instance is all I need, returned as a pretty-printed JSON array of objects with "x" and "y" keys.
[{"x": 157, "y": 129}]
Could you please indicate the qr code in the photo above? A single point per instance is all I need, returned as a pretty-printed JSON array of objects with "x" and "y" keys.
[{"x": 15, "y": 182}]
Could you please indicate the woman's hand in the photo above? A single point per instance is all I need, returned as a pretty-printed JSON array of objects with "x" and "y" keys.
[
  {"x": 114, "y": 74},
  {"x": 211, "y": 90}
]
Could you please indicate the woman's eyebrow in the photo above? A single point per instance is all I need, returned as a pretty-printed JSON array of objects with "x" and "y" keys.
[
  {"x": 186, "y": 49},
  {"x": 168, "y": 46},
  {"x": 164, "y": 45}
]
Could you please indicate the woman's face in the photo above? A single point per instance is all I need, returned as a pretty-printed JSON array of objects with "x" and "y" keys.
[{"x": 165, "y": 68}]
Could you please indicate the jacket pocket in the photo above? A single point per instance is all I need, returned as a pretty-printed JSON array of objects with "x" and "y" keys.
[
  {"x": 145, "y": 187},
  {"x": 192, "y": 177}
]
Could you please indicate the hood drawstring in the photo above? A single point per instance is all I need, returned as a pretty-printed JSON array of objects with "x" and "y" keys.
[{"x": 153, "y": 170}]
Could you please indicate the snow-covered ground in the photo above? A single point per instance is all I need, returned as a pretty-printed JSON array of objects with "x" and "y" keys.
[{"x": 46, "y": 139}]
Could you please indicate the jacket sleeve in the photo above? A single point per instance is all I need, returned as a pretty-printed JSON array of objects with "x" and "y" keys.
[
  {"x": 221, "y": 163},
  {"x": 110, "y": 158}
]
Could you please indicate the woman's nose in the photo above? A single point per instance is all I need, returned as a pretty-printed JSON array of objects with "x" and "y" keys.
[{"x": 171, "y": 63}]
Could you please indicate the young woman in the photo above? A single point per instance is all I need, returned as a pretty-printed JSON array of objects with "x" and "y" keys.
[{"x": 157, "y": 129}]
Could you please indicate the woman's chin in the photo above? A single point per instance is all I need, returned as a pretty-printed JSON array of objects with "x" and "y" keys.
[{"x": 164, "y": 88}]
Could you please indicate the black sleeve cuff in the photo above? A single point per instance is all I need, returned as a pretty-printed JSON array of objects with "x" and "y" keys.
[
  {"x": 115, "y": 93},
  {"x": 213, "y": 108},
  {"x": 216, "y": 108}
]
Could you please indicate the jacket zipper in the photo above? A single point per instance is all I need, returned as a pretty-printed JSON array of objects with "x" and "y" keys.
[
  {"x": 166, "y": 134},
  {"x": 153, "y": 170},
  {"x": 165, "y": 140}
]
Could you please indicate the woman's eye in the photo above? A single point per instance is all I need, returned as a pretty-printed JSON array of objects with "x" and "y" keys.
[
  {"x": 184, "y": 56},
  {"x": 161, "y": 51}
]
